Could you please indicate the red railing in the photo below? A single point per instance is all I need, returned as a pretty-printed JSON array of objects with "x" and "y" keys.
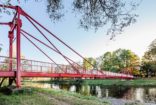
[
  {"x": 34, "y": 66},
  {"x": 46, "y": 67}
]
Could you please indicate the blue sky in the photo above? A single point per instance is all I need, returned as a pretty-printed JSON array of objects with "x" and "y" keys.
[{"x": 137, "y": 37}]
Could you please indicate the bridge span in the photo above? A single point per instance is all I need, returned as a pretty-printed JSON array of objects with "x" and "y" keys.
[
  {"x": 16, "y": 68},
  {"x": 33, "y": 68}
]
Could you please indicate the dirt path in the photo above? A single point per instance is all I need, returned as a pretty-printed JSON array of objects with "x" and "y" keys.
[{"x": 54, "y": 100}]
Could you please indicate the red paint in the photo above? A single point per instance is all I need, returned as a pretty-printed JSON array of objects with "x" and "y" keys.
[
  {"x": 11, "y": 37},
  {"x": 18, "y": 46},
  {"x": 7, "y": 74},
  {"x": 66, "y": 72},
  {"x": 55, "y": 50}
]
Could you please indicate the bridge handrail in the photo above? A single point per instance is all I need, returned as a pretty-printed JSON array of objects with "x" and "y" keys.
[
  {"x": 28, "y": 60},
  {"x": 51, "y": 67}
]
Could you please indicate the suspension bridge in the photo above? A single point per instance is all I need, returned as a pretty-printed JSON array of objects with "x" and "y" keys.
[{"x": 15, "y": 68}]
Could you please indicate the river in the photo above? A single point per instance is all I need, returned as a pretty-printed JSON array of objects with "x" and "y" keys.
[{"x": 141, "y": 94}]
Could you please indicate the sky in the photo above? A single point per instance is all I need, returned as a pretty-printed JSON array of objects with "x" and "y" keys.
[{"x": 136, "y": 37}]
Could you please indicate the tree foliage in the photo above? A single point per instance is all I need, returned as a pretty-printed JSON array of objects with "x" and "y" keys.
[
  {"x": 97, "y": 13},
  {"x": 149, "y": 60},
  {"x": 121, "y": 60},
  {"x": 152, "y": 49},
  {"x": 117, "y": 14},
  {"x": 107, "y": 60},
  {"x": 87, "y": 65},
  {"x": 0, "y": 47}
]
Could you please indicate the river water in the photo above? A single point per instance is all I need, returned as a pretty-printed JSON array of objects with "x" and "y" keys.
[{"x": 141, "y": 94}]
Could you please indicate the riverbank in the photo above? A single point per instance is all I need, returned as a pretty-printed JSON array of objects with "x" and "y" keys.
[
  {"x": 111, "y": 82},
  {"x": 39, "y": 96}
]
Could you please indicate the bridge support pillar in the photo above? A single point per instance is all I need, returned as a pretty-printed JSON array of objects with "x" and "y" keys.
[
  {"x": 11, "y": 37},
  {"x": 18, "y": 46}
]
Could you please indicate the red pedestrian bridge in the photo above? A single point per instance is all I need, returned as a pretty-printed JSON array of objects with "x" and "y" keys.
[{"x": 17, "y": 68}]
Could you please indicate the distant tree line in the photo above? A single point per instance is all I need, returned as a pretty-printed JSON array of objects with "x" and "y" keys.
[
  {"x": 120, "y": 60},
  {"x": 126, "y": 61}
]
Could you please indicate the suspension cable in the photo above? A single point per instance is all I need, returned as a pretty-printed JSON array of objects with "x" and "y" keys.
[
  {"x": 53, "y": 45},
  {"x": 28, "y": 16},
  {"x": 26, "y": 33},
  {"x": 41, "y": 50}
]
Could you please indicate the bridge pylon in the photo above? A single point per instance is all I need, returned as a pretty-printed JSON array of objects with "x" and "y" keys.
[{"x": 15, "y": 24}]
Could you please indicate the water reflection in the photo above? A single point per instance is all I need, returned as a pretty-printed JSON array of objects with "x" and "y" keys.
[
  {"x": 72, "y": 88},
  {"x": 139, "y": 94},
  {"x": 142, "y": 94},
  {"x": 54, "y": 86}
]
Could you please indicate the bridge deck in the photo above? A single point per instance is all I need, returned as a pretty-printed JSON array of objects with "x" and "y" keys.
[
  {"x": 61, "y": 75},
  {"x": 33, "y": 68}
]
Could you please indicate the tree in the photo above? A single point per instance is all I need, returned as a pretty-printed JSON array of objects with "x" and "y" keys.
[
  {"x": 149, "y": 60},
  {"x": 127, "y": 60},
  {"x": 152, "y": 49},
  {"x": 118, "y": 14},
  {"x": 148, "y": 65},
  {"x": 121, "y": 60},
  {"x": 107, "y": 60},
  {"x": 0, "y": 47},
  {"x": 87, "y": 65}
]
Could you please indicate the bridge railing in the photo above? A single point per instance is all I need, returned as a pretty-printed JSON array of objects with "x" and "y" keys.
[
  {"x": 4, "y": 63},
  {"x": 35, "y": 66},
  {"x": 39, "y": 66}
]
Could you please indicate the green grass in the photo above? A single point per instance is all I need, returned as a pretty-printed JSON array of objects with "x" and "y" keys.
[
  {"x": 38, "y": 96},
  {"x": 111, "y": 82},
  {"x": 49, "y": 97},
  {"x": 136, "y": 82}
]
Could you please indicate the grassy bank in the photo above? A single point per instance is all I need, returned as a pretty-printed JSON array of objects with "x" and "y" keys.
[
  {"x": 49, "y": 97},
  {"x": 111, "y": 82},
  {"x": 38, "y": 96},
  {"x": 135, "y": 82}
]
